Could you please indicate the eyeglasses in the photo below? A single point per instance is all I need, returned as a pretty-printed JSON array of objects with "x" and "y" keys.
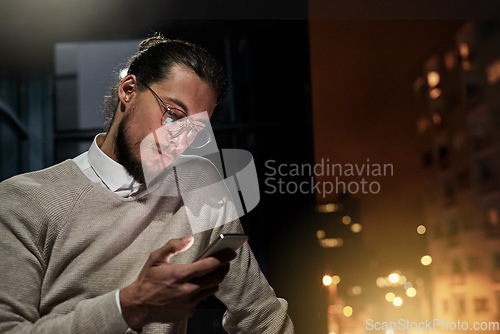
[{"x": 176, "y": 123}]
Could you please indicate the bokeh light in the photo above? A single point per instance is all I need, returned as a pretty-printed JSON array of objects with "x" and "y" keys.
[
  {"x": 347, "y": 311},
  {"x": 426, "y": 260},
  {"x": 356, "y": 228},
  {"x": 421, "y": 229},
  {"x": 411, "y": 292},
  {"x": 398, "y": 301},
  {"x": 394, "y": 278}
]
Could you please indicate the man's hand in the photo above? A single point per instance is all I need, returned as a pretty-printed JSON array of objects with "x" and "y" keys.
[{"x": 166, "y": 292}]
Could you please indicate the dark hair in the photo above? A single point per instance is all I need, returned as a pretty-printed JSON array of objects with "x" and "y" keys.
[{"x": 156, "y": 57}]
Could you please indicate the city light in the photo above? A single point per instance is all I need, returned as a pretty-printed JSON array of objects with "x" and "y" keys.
[
  {"x": 327, "y": 280},
  {"x": 436, "y": 118},
  {"x": 335, "y": 279},
  {"x": 390, "y": 296},
  {"x": 433, "y": 79},
  {"x": 346, "y": 220},
  {"x": 356, "y": 290},
  {"x": 347, "y": 311},
  {"x": 330, "y": 242},
  {"x": 328, "y": 208},
  {"x": 435, "y": 93},
  {"x": 320, "y": 234},
  {"x": 380, "y": 282},
  {"x": 411, "y": 292},
  {"x": 356, "y": 228},
  {"x": 398, "y": 301},
  {"x": 426, "y": 260},
  {"x": 464, "y": 50},
  {"x": 394, "y": 278},
  {"x": 421, "y": 229}
]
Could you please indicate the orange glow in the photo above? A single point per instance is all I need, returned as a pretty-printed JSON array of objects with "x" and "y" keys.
[
  {"x": 433, "y": 79},
  {"x": 435, "y": 93},
  {"x": 464, "y": 50},
  {"x": 466, "y": 65},
  {"x": 436, "y": 118},
  {"x": 320, "y": 234},
  {"x": 346, "y": 220},
  {"x": 493, "y": 216},
  {"x": 422, "y": 124},
  {"x": 449, "y": 60}
]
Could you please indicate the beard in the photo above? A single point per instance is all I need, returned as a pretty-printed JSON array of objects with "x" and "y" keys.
[{"x": 124, "y": 154}]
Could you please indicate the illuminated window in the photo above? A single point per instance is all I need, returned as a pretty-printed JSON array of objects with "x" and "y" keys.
[
  {"x": 464, "y": 50},
  {"x": 450, "y": 60},
  {"x": 423, "y": 125},
  {"x": 493, "y": 72},
  {"x": 491, "y": 214}
]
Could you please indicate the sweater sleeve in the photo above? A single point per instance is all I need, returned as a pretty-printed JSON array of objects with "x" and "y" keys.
[
  {"x": 24, "y": 254},
  {"x": 252, "y": 305}
]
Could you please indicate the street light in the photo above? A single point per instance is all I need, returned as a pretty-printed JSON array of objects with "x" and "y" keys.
[{"x": 327, "y": 280}]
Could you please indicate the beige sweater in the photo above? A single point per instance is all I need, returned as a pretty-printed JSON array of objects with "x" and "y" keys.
[{"x": 66, "y": 246}]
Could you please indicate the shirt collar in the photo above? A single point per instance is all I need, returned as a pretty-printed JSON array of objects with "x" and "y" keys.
[{"x": 111, "y": 173}]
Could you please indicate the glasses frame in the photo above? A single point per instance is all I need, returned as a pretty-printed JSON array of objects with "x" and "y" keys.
[{"x": 169, "y": 112}]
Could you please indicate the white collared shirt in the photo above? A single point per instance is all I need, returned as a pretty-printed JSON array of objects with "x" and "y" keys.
[{"x": 106, "y": 172}]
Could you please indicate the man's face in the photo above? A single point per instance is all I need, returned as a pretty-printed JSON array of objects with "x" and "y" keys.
[{"x": 185, "y": 91}]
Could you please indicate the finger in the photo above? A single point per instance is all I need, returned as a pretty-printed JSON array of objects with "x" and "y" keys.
[
  {"x": 212, "y": 278},
  {"x": 173, "y": 246},
  {"x": 203, "y": 266},
  {"x": 225, "y": 255}
]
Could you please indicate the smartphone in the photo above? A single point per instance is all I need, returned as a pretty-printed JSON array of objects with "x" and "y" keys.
[{"x": 231, "y": 241}]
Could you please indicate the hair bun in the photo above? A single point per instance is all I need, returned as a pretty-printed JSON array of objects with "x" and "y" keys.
[{"x": 149, "y": 42}]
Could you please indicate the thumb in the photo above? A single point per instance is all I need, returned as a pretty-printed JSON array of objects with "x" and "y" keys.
[{"x": 174, "y": 246}]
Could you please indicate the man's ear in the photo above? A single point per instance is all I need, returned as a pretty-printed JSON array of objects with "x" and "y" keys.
[{"x": 127, "y": 89}]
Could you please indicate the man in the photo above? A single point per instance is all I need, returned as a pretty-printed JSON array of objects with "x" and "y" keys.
[{"x": 84, "y": 243}]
